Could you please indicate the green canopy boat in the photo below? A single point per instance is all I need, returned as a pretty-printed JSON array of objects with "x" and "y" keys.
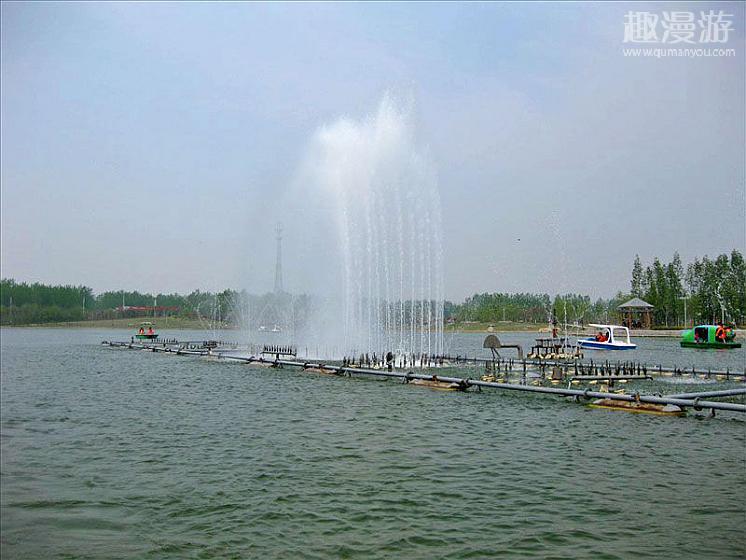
[
  {"x": 146, "y": 331},
  {"x": 705, "y": 336}
]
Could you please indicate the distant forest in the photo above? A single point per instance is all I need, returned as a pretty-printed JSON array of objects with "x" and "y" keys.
[
  {"x": 22, "y": 304},
  {"x": 711, "y": 288}
]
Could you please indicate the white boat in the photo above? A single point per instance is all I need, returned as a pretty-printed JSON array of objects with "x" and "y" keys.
[{"x": 609, "y": 337}]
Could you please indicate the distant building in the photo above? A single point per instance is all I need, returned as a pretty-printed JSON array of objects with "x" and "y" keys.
[
  {"x": 637, "y": 314},
  {"x": 134, "y": 309}
]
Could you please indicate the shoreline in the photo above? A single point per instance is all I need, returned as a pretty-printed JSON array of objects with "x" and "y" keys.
[
  {"x": 484, "y": 328},
  {"x": 177, "y": 323},
  {"x": 163, "y": 323}
]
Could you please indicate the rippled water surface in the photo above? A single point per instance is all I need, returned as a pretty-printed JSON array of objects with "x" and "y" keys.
[{"x": 126, "y": 454}]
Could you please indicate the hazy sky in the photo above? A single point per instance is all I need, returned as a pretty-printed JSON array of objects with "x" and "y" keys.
[{"x": 148, "y": 146}]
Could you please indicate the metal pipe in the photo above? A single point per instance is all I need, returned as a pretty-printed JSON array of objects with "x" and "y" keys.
[
  {"x": 696, "y": 403},
  {"x": 723, "y": 393}
]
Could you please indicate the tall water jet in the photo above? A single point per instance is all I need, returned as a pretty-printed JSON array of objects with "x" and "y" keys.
[{"x": 386, "y": 207}]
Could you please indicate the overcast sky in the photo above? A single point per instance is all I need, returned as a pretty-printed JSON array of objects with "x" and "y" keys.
[{"x": 148, "y": 146}]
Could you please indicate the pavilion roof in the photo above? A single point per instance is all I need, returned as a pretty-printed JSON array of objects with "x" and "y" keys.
[{"x": 636, "y": 303}]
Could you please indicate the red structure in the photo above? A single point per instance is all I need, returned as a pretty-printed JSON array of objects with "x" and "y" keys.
[{"x": 148, "y": 308}]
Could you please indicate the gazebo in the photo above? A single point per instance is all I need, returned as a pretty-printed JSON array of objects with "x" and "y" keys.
[{"x": 637, "y": 314}]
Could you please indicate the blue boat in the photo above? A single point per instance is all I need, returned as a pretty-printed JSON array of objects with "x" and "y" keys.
[{"x": 609, "y": 337}]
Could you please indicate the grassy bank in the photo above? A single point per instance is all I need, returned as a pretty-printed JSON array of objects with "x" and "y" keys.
[
  {"x": 161, "y": 323},
  {"x": 178, "y": 323},
  {"x": 501, "y": 326},
  {"x": 509, "y": 326}
]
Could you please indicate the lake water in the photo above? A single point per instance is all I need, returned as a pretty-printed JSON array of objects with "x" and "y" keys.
[{"x": 125, "y": 454}]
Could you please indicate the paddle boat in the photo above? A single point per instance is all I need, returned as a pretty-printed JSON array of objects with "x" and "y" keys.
[
  {"x": 608, "y": 339},
  {"x": 146, "y": 331},
  {"x": 710, "y": 336}
]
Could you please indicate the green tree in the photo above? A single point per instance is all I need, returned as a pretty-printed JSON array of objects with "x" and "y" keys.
[{"x": 637, "y": 278}]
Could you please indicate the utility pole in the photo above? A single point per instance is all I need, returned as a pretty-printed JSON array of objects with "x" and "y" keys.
[
  {"x": 278, "y": 262},
  {"x": 721, "y": 301},
  {"x": 684, "y": 298}
]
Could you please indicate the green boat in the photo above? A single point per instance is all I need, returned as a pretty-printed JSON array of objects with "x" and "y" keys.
[
  {"x": 705, "y": 336},
  {"x": 146, "y": 331}
]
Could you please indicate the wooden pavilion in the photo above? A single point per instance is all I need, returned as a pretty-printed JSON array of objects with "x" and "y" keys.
[{"x": 637, "y": 314}]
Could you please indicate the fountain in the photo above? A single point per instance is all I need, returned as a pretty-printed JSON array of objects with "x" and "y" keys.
[{"x": 380, "y": 193}]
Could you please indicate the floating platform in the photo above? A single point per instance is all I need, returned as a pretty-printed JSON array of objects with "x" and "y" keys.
[
  {"x": 639, "y": 408},
  {"x": 435, "y": 383}
]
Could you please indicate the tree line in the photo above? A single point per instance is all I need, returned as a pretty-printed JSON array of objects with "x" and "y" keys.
[
  {"x": 533, "y": 308},
  {"x": 706, "y": 290},
  {"x": 23, "y": 303}
]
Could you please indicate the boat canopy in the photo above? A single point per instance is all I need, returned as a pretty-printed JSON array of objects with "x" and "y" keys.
[{"x": 612, "y": 329}]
